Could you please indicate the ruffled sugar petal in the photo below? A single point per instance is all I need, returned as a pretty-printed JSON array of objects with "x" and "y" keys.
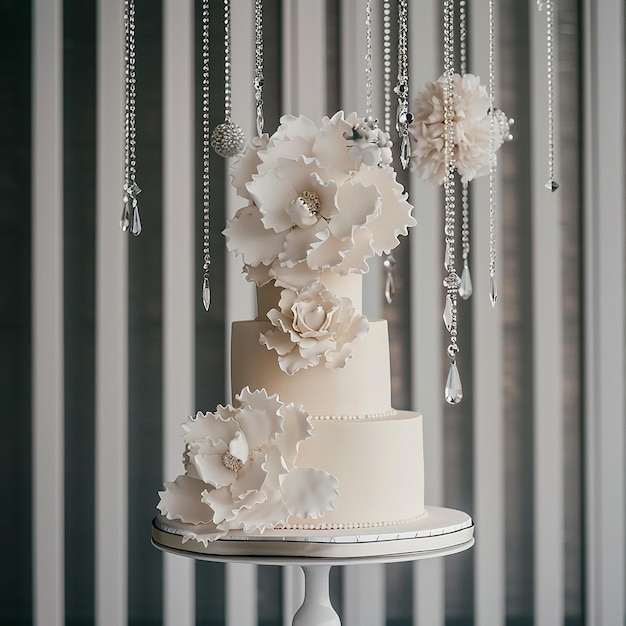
[
  {"x": 268, "y": 514},
  {"x": 211, "y": 426},
  {"x": 355, "y": 259},
  {"x": 250, "y": 478},
  {"x": 247, "y": 236},
  {"x": 358, "y": 205},
  {"x": 246, "y": 164},
  {"x": 298, "y": 243},
  {"x": 205, "y": 534},
  {"x": 211, "y": 469},
  {"x": 309, "y": 492},
  {"x": 328, "y": 251},
  {"x": 182, "y": 500},
  {"x": 296, "y": 277},
  {"x": 272, "y": 194},
  {"x": 293, "y": 361},
  {"x": 330, "y": 146},
  {"x": 259, "y": 275},
  {"x": 297, "y": 428},
  {"x": 221, "y": 503},
  {"x": 276, "y": 340},
  {"x": 394, "y": 218},
  {"x": 259, "y": 416}
]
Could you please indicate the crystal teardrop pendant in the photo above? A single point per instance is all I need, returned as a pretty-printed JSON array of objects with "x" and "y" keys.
[
  {"x": 136, "y": 223},
  {"x": 125, "y": 219},
  {"x": 446, "y": 257},
  {"x": 206, "y": 292},
  {"x": 454, "y": 390},
  {"x": 405, "y": 150},
  {"x": 493, "y": 291},
  {"x": 552, "y": 185},
  {"x": 390, "y": 287},
  {"x": 465, "y": 288},
  {"x": 447, "y": 313}
]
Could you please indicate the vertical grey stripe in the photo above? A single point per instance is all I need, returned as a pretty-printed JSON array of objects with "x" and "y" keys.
[
  {"x": 47, "y": 277},
  {"x": 111, "y": 457},
  {"x": 605, "y": 199}
]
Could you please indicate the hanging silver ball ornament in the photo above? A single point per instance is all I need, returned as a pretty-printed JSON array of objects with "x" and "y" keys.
[{"x": 228, "y": 139}]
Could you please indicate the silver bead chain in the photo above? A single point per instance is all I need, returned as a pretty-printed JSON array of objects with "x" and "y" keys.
[
  {"x": 387, "y": 65},
  {"x": 404, "y": 116},
  {"x": 259, "y": 79},
  {"x": 552, "y": 185},
  {"x": 368, "y": 59},
  {"x": 130, "y": 212},
  {"x": 206, "y": 151},
  {"x": 452, "y": 281},
  {"x": 227, "y": 64},
  {"x": 465, "y": 203},
  {"x": 493, "y": 287}
]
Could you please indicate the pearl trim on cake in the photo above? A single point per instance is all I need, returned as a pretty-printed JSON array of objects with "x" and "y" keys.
[
  {"x": 350, "y": 525},
  {"x": 366, "y": 416}
]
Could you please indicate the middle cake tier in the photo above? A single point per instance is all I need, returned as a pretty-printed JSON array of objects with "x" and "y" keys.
[{"x": 360, "y": 389}]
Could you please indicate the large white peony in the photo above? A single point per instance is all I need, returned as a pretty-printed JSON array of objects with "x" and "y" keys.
[
  {"x": 240, "y": 469},
  {"x": 313, "y": 326},
  {"x": 318, "y": 198},
  {"x": 472, "y": 122}
]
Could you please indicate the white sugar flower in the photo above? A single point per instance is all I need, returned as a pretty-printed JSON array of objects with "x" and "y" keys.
[
  {"x": 320, "y": 199},
  {"x": 313, "y": 326},
  {"x": 237, "y": 461},
  {"x": 471, "y": 126}
]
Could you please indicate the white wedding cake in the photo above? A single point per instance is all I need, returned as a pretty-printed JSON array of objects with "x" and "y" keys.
[{"x": 310, "y": 440}]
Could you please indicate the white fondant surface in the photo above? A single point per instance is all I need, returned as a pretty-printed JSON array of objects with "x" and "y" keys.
[
  {"x": 379, "y": 464},
  {"x": 361, "y": 388}
]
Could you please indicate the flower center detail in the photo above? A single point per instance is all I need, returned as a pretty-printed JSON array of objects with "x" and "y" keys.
[
  {"x": 231, "y": 462},
  {"x": 312, "y": 201}
]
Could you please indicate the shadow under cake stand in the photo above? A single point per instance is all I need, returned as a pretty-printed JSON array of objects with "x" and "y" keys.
[{"x": 439, "y": 533}]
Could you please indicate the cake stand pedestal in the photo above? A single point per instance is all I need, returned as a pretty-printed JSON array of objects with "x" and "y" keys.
[{"x": 440, "y": 533}]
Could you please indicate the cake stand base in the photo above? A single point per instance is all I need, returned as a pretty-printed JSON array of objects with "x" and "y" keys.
[{"x": 440, "y": 533}]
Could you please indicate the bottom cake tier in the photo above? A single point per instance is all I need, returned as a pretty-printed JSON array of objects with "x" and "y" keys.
[{"x": 379, "y": 463}]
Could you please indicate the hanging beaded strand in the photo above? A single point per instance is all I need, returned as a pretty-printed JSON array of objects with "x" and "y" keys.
[
  {"x": 493, "y": 286},
  {"x": 227, "y": 139},
  {"x": 404, "y": 117},
  {"x": 259, "y": 79},
  {"x": 465, "y": 288},
  {"x": 551, "y": 185},
  {"x": 453, "y": 391},
  {"x": 130, "y": 219},
  {"x": 206, "y": 151},
  {"x": 387, "y": 66}
]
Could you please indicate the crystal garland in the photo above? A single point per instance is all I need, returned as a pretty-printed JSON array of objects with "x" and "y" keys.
[
  {"x": 206, "y": 151},
  {"x": 453, "y": 391},
  {"x": 130, "y": 219}
]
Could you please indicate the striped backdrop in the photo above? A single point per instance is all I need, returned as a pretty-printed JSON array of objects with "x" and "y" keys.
[{"x": 105, "y": 347}]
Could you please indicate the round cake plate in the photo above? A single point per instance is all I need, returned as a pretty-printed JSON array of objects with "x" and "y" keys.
[{"x": 440, "y": 532}]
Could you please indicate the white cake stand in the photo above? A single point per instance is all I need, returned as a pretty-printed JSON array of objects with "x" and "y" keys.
[{"x": 440, "y": 533}]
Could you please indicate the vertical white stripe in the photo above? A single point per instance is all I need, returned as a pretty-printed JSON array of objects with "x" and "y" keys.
[
  {"x": 489, "y": 569},
  {"x": 426, "y": 303},
  {"x": 605, "y": 198},
  {"x": 304, "y": 58},
  {"x": 180, "y": 290},
  {"x": 241, "y": 579},
  {"x": 47, "y": 298},
  {"x": 111, "y": 328},
  {"x": 364, "y": 595},
  {"x": 547, "y": 347}
]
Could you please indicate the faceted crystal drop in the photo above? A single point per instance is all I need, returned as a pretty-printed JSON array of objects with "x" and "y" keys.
[
  {"x": 447, "y": 313},
  {"x": 465, "y": 288},
  {"x": 206, "y": 293},
  {"x": 493, "y": 291},
  {"x": 552, "y": 185},
  {"x": 125, "y": 219},
  {"x": 446, "y": 256},
  {"x": 454, "y": 390},
  {"x": 405, "y": 150},
  {"x": 136, "y": 224},
  {"x": 390, "y": 287}
]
